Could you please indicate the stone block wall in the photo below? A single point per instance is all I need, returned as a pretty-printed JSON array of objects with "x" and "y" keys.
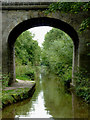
[{"x": 13, "y": 19}]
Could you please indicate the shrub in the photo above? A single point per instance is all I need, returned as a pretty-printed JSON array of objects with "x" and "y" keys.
[
  {"x": 5, "y": 79},
  {"x": 25, "y": 72},
  {"x": 82, "y": 84}
]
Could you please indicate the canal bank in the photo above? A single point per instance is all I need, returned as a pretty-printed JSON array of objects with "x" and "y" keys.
[
  {"x": 50, "y": 100},
  {"x": 18, "y": 91}
]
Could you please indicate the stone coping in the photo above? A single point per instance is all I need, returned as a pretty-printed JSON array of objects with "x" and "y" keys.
[
  {"x": 25, "y": 6},
  {"x": 17, "y": 92},
  {"x": 42, "y": 1}
]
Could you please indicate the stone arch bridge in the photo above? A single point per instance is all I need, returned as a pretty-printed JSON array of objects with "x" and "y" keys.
[{"x": 20, "y": 16}]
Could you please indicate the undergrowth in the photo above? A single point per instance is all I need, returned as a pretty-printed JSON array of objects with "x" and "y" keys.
[
  {"x": 82, "y": 84},
  {"x": 25, "y": 72}
]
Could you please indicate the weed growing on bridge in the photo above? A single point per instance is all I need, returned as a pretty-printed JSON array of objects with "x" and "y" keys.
[
  {"x": 72, "y": 7},
  {"x": 84, "y": 25}
]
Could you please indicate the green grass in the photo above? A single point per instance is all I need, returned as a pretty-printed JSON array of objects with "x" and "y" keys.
[
  {"x": 25, "y": 72},
  {"x": 23, "y": 78},
  {"x": 12, "y": 96}
]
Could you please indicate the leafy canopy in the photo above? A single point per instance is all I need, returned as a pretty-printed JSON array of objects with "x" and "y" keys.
[
  {"x": 57, "y": 51},
  {"x": 27, "y": 49}
]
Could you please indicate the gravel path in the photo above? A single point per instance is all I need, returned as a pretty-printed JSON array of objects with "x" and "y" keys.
[{"x": 20, "y": 84}]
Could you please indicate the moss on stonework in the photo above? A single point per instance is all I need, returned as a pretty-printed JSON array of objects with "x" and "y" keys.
[{"x": 15, "y": 95}]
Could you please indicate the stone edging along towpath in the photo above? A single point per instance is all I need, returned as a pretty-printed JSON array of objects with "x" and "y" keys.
[{"x": 17, "y": 92}]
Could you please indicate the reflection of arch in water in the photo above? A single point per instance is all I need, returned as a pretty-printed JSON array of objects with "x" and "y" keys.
[{"x": 35, "y": 22}]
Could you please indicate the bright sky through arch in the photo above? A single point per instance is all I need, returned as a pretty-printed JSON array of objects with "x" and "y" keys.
[{"x": 40, "y": 33}]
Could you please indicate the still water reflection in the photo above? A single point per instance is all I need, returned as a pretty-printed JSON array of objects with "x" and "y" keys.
[{"x": 50, "y": 100}]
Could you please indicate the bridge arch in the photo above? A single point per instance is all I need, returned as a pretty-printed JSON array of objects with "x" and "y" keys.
[{"x": 35, "y": 22}]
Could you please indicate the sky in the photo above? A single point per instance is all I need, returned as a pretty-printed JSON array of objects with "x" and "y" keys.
[{"x": 40, "y": 33}]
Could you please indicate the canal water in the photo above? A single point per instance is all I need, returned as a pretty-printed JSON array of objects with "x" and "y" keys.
[{"x": 50, "y": 100}]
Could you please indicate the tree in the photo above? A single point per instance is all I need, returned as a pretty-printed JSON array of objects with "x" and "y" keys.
[
  {"x": 27, "y": 49},
  {"x": 57, "y": 51}
]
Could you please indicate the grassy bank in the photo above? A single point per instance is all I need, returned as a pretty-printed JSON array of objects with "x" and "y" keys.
[
  {"x": 82, "y": 87},
  {"x": 15, "y": 95}
]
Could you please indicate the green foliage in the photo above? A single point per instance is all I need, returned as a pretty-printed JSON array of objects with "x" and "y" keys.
[
  {"x": 5, "y": 79},
  {"x": 57, "y": 53},
  {"x": 85, "y": 24},
  {"x": 68, "y": 74},
  {"x": 27, "y": 54},
  {"x": 12, "y": 96},
  {"x": 27, "y": 49},
  {"x": 25, "y": 72},
  {"x": 72, "y": 7},
  {"x": 82, "y": 84}
]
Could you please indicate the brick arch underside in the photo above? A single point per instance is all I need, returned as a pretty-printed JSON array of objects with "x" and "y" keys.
[{"x": 35, "y": 22}]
